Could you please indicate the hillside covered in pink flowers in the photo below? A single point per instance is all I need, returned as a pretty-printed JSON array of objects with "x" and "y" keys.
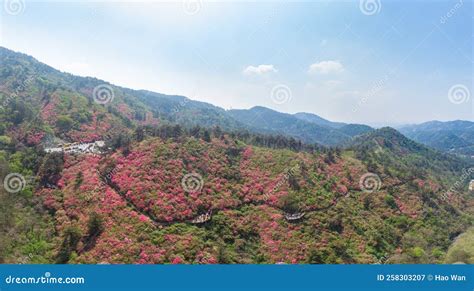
[
  {"x": 181, "y": 182},
  {"x": 144, "y": 212}
]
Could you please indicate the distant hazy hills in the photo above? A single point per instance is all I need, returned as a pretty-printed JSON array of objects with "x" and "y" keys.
[
  {"x": 38, "y": 87},
  {"x": 452, "y": 136},
  {"x": 307, "y": 127},
  {"x": 313, "y": 118}
]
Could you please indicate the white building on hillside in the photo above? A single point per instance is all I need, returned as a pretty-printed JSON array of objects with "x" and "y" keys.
[{"x": 85, "y": 148}]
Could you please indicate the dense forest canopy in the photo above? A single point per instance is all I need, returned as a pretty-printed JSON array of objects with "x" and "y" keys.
[{"x": 181, "y": 181}]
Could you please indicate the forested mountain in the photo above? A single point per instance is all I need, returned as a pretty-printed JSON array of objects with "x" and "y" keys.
[
  {"x": 149, "y": 107},
  {"x": 182, "y": 110},
  {"x": 348, "y": 129},
  {"x": 452, "y": 136},
  {"x": 313, "y": 118},
  {"x": 181, "y": 181},
  {"x": 355, "y": 129},
  {"x": 266, "y": 120}
]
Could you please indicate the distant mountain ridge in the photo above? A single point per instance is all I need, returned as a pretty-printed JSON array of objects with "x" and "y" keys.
[
  {"x": 451, "y": 136},
  {"x": 313, "y": 118},
  {"x": 307, "y": 127},
  {"x": 169, "y": 160},
  {"x": 274, "y": 122},
  {"x": 144, "y": 107}
]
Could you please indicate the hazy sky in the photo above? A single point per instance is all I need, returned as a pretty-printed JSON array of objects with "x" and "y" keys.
[{"x": 371, "y": 62}]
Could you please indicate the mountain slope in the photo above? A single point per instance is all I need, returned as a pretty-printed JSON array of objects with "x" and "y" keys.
[
  {"x": 355, "y": 129},
  {"x": 269, "y": 121},
  {"x": 249, "y": 191},
  {"x": 161, "y": 192},
  {"x": 44, "y": 90},
  {"x": 452, "y": 136},
  {"x": 347, "y": 129},
  {"x": 313, "y": 118},
  {"x": 387, "y": 145},
  {"x": 187, "y": 112}
]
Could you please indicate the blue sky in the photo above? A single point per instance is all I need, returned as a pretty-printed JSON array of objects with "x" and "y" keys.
[{"x": 390, "y": 63}]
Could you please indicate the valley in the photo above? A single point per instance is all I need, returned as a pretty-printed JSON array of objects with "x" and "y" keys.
[{"x": 147, "y": 178}]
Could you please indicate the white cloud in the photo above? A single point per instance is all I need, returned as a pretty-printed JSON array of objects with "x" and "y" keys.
[
  {"x": 326, "y": 67},
  {"x": 259, "y": 70}
]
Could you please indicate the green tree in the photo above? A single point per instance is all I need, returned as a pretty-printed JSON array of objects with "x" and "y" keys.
[
  {"x": 79, "y": 179},
  {"x": 72, "y": 236},
  {"x": 95, "y": 226},
  {"x": 390, "y": 201},
  {"x": 64, "y": 122}
]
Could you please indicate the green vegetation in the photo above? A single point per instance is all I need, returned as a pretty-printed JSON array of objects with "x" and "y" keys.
[
  {"x": 462, "y": 250},
  {"x": 129, "y": 205}
]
